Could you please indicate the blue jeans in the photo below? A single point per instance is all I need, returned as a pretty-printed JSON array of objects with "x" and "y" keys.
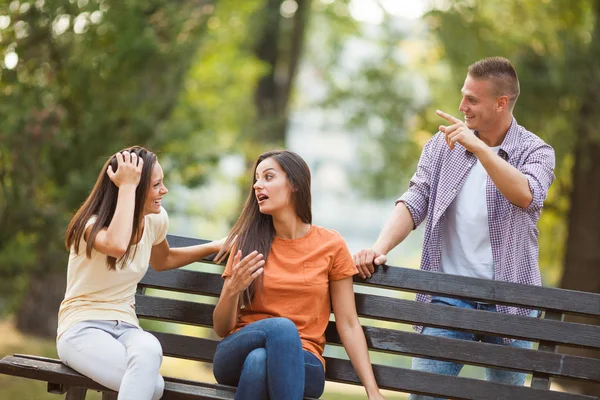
[
  {"x": 265, "y": 360},
  {"x": 452, "y": 368}
]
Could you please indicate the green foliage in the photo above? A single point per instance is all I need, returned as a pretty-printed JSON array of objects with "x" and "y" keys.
[
  {"x": 373, "y": 93},
  {"x": 92, "y": 77},
  {"x": 548, "y": 42},
  {"x": 215, "y": 108}
]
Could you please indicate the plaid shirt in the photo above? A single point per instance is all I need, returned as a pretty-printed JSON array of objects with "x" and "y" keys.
[{"x": 513, "y": 234}]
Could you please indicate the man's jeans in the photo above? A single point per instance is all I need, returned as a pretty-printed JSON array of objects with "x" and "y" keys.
[
  {"x": 265, "y": 360},
  {"x": 452, "y": 368}
]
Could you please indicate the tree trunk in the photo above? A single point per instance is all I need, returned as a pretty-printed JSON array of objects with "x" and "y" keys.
[
  {"x": 582, "y": 258},
  {"x": 38, "y": 313},
  {"x": 279, "y": 45}
]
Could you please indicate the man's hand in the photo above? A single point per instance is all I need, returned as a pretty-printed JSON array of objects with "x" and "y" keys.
[
  {"x": 458, "y": 132},
  {"x": 366, "y": 259}
]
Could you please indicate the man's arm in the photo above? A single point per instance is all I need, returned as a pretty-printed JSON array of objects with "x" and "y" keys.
[
  {"x": 511, "y": 182},
  {"x": 526, "y": 187},
  {"x": 395, "y": 230},
  {"x": 410, "y": 211}
]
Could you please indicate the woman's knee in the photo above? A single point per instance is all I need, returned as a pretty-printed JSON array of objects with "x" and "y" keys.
[
  {"x": 145, "y": 348},
  {"x": 255, "y": 366},
  {"x": 284, "y": 326},
  {"x": 159, "y": 388}
]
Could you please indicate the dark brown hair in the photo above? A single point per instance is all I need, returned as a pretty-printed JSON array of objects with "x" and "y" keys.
[
  {"x": 501, "y": 72},
  {"x": 254, "y": 230},
  {"x": 102, "y": 203}
]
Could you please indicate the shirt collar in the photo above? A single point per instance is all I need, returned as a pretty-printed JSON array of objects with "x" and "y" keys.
[{"x": 511, "y": 139}]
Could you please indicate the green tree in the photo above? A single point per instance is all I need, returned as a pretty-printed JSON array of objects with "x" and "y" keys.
[{"x": 91, "y": 77}]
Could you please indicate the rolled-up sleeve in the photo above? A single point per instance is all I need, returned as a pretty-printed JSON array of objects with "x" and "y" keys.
[
  {"x": 416, "y": 198},
  {"x": 539, "y": 171}
]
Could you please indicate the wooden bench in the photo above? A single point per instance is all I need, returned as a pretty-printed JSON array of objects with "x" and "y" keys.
[{"x": 544, "y": 363}]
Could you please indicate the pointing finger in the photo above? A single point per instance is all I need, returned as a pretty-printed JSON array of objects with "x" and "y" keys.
[{"x": 448, "y": 117}]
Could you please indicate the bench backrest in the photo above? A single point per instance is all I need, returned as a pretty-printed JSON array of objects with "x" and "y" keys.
[{"x": 544, "y": 363}]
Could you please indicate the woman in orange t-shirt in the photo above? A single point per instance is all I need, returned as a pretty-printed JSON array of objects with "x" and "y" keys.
[{"x": 282, "y": 279}]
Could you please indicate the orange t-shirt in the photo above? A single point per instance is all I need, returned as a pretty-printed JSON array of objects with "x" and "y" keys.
[{"x": 295, "y": 284}]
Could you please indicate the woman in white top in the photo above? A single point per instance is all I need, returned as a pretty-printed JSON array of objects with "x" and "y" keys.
[{"x": 119, "y": 229}]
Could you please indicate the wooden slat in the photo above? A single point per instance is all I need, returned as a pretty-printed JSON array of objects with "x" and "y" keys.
[
  {"x": 181, "y": 391},
  {"x": 52, "y": 370},
  {"x": 475, "y": 353},
  {"x": 399, "y": 310},
  {"x": 408, "y": 343},
  {"x": 495, "y": 292},
  {"x": 405, "y": 279},
  {"x": 338, "y": 370},
  {"x": 498, "y": 324},
  {"x": 183, "y": 241},
  {"x": 47, "y": 370},
  {"x": 171, "y": 310},
  {"x": 184, "y": 281},
  {"x": 187, "y": 347},
  {"x": 406, "y": 380},
  {"x": 542, "y": 381}
]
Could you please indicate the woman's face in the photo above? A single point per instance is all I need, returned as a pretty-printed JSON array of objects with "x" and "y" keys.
[
  {"x": 156, "y": 191},
  {"x": 272, "y": 189}
]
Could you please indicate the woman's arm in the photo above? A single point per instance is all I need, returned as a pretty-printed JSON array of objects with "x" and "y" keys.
[
  {"x": 114, "y": 240},
  {"x": 164, "y": 257},
  {"x": 352, "y": 335}
]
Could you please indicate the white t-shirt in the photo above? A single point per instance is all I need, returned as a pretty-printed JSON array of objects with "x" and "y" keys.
[
  {"x": 466, "y": 246},
  {"x": 96, "y": 293}
]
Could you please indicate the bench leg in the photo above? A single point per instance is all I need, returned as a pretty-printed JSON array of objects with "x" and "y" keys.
[
  {"x": 109, "y": 396},
  {"x": 56, "y": 388},
  {"x": 76, "y": 393}
]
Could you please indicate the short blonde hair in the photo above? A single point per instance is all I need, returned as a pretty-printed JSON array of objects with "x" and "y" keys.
[{"x": 501, "y": 72}]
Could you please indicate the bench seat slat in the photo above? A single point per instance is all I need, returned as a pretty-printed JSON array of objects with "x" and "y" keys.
[
  {"x": 389, "y": 378},
  {"x": 406, "y": 311}
]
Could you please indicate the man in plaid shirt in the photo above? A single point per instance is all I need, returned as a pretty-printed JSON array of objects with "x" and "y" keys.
[{"x": 482, "y": 182}]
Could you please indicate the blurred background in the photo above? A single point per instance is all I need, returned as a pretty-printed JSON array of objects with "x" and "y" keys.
[{"x": 351, "y": 85}]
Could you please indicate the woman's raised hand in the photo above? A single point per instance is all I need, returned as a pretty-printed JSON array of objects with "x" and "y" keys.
[
  {"x": 245, "y": 271},
  {"x": 129, "y": 169}
]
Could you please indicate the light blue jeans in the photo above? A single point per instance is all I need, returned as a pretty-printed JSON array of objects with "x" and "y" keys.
[
  {"x": 117, "y": 355},
  {"x": 265, "y": 360},
  {"x": 452, "y": 368}
]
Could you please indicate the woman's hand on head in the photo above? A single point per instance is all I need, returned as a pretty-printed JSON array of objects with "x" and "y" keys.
[
  {"x": 129, "y": 169},
  {"x": 245, "y": 271}
]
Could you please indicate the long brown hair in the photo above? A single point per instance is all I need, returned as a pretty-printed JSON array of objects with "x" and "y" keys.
[
  {"x": 102, "y": 203},
  {"x": 255, "y": 230}
]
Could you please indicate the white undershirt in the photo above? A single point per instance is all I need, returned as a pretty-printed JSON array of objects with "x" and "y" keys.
[{"x": 466, "y": 247}]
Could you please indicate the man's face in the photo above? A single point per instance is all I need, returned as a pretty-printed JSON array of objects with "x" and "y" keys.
[{"x": 479, "y": 104}]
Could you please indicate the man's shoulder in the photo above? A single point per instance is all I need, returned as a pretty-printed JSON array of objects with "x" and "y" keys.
[
  {"x": 436, "y": 143},
  {"x": 527, "y": 139}
]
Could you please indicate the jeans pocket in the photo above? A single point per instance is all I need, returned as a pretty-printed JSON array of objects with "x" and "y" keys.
[{"x": 314, "y": 384}]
